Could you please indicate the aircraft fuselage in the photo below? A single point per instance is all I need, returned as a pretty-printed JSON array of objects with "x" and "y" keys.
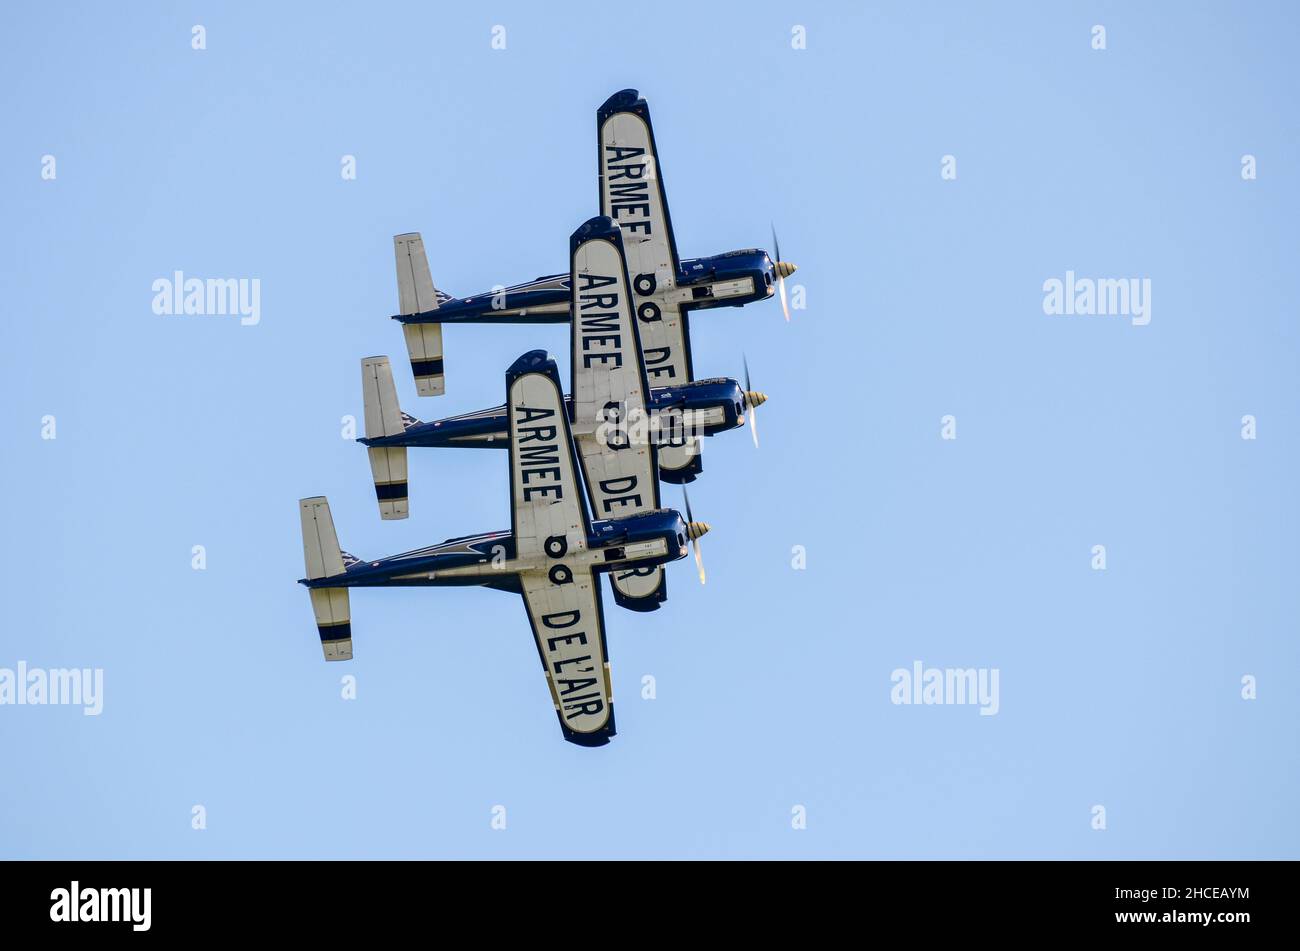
[
  {"x": 491, "y": 559},
  {"x": 700, "y": 408},
  {"x": 732, "y": 279}
]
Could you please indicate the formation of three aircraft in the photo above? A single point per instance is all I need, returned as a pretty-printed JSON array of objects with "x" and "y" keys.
[{"x": 634, "y": 417}]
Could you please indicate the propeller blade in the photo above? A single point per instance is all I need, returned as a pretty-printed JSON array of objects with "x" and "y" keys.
[
  {"x": 751, "y": 397},
  {"x": 695, "y": 531},
  {"x": 782, "y": 271}
]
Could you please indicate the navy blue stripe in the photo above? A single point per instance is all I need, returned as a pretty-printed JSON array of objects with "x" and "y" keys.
[
  {"x": 391, "y": 492},
  {"x": 335, "y": 632},
  {"x": 426, "y": 367}
]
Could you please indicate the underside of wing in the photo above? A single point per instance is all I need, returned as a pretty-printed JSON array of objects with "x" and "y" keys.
[
  {"x": 607, "y": 371},
  {"x": 632, "y": 189},
  {"x": 665, "y": 342},
  {"x": 548, "y": 513},
  {"x": 610, "y": 396},
  {"x": 569, "y": 628},
  {"x": 666, "y": 352},
  {"x": 622, "y": 482}
]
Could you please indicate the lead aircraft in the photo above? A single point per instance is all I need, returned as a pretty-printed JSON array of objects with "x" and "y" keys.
[
  {"x": 620, "y": 423},
  {"x": 666, "y": 287},
  {"x": 551, "y": 556}
]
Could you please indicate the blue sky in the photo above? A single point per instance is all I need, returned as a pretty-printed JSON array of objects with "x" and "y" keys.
[{"x": 1120, "y": 688}]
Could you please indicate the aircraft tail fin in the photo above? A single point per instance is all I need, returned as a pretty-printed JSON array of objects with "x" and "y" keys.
[
  {"x": 384, "y": 417},
  {"x": 324, "y": 559},
  {"x": 417, "y": 295}
]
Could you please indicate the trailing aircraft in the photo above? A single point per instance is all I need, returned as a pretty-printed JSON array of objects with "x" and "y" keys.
[
  {"x": 551, "y": 555},
  {"x": 620, "y": 424},
  {"x": 667, "y": 288}
]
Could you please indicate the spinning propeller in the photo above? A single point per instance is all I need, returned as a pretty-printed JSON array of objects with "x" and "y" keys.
[
  {"x": 753, "y": 400},
  {"x": 695, "y": 531},
  {"x": 783, "y": 270}
]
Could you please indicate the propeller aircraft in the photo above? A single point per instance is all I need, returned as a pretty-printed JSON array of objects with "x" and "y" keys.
[
  {"x": 667, "y": 287},
  {"x": 584, "y": 468},
  {"x": 620, "y": 423},
  {"x": 551, "y": 556}
]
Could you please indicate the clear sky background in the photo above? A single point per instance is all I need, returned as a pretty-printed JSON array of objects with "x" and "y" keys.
[{"x": 1119, "y": 688}]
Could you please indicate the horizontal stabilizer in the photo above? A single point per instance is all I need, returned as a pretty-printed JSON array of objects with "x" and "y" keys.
[
  {"x": 388, "y": 465},
  {"x": 417, "y": 295},
  {"x": 334, "y": 621},
  {"x": 320, "y": 545},
  {"x": 384, "y": 417},
  {"x": 324, "y": 559},
  {"x": 424, "y": 346},
  {"x": 383, "y": 413},
  {"x": 415, "y": 291}
]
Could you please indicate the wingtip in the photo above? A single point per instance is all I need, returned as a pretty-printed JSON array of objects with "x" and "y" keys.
[
  {"x": 620, "y": 100},
  {"x": 533, "y": 361}
]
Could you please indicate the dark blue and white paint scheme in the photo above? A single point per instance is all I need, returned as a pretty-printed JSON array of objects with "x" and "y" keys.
[
  {"x": 666, "y": 287},
  {"x": 704, "y": 407},
  {"x": 618, "y": 422},
  {"x": 551, "y": 556}
]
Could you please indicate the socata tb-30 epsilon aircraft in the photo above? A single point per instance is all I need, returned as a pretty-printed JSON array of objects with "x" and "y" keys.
[
  {"x": 667, "y": 287},
  {"x": 551, "y": 555},
  {"x": 620, "y": 423}
]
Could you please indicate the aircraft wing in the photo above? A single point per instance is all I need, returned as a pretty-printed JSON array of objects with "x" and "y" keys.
[
  {"x": 547, "y": 512},
  {"x": 666, "y": 342},
  {"x": 610, "y": 397},
  {"x": 550, "y": 521},
  {"x": 569, "y": 627},
  {"x": 632, "y": 193},
  {"x": 632, "y": 189}
]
